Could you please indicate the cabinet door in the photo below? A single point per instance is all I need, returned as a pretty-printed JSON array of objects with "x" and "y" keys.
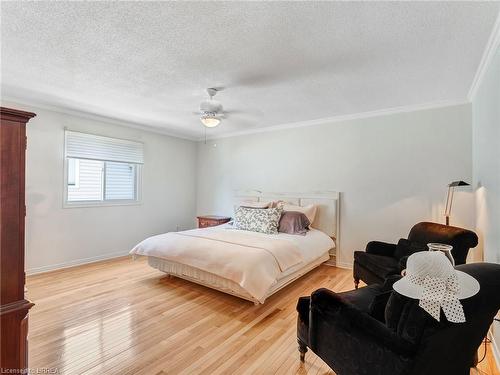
[{"x": 12, "y": 149}]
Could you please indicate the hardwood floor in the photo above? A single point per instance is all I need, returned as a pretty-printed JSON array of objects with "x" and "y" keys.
[{"x": 123, "y": 317}]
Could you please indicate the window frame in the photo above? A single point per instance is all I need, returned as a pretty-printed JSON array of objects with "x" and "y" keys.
[
  {"x": 77, "y": 173},
  {"x": 101, "y": 203}
]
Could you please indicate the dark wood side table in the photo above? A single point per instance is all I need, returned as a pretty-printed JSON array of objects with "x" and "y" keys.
[{"x": 206, "y": 221}]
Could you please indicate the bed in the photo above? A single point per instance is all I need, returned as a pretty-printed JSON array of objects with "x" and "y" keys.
[{"x": 249, "y": 265}]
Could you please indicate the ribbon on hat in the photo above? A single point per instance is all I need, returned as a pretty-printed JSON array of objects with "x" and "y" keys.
[{"x": 440, "y": 293}]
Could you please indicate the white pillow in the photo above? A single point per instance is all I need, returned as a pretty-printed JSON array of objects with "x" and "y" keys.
[
  {"x": 309, "y": 211},
  {"x": 253, "y": 204}
]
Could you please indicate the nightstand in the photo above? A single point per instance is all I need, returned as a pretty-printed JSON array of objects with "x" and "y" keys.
[{"x": 211, "y": 220}]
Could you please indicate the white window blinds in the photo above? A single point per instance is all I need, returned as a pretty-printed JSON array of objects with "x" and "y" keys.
[
  {"x": 120, "y": 181},
  {"x": 88, "y": 184},
  {"x": 96, "y": 147}
]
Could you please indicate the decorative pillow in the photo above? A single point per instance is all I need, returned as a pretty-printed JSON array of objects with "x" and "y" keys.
[
  {"x": 257, "y": 219},
  {"x": 293, "y": 222},
  {"x": 309, "y": 211},
  {"x": 407, "y": 319},
  {"x": 406, "y": 248},
  {"x": 378, "y": 304}
]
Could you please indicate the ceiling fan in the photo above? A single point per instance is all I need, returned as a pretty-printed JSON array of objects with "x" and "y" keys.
[{"x": 211, "y": 111}]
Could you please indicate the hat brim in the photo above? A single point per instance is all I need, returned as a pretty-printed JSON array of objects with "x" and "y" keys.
[{"x": 468, "y": 286}]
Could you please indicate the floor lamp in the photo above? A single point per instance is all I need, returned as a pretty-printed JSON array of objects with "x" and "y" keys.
[{"x": 449, "y": 198}]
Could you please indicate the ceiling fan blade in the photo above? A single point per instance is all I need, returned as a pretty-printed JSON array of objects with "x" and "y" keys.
[
  {"x": 234, "y": 112},
  {"x": 218, "y": 88},
  {"x": 257, "y": 80},
  {"x": 242, "y": 124},
  {"x": 248, "y": 112}
]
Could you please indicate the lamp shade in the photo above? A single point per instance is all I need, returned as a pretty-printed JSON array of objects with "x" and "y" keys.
[
  {"x": 210, "y": 122},
  {"x": 458, "y": 183}
]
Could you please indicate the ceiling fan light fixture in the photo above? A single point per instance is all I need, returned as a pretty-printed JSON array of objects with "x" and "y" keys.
[{"x": 209, "y": 119}]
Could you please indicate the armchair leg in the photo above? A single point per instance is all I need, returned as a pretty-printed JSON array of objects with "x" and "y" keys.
[
  {"x": 302, "y": 350},
  {"x": 356, "y": 282}
]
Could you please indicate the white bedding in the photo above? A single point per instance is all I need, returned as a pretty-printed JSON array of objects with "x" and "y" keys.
[{"x": 255, "y": 261}]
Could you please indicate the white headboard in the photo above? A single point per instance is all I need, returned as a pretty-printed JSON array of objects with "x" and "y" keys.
[{"x": 328, "y": 202}]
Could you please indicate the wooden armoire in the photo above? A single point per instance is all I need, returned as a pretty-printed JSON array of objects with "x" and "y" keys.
[{"x": 13, "y": 306}]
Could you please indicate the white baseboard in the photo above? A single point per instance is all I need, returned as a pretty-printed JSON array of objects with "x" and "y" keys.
[
  {"x": 334, "y": 263},
  {"x": 346, "y": 265},
  {"x": 73, "y": 263},
  {"x": 495, "y": 348}
]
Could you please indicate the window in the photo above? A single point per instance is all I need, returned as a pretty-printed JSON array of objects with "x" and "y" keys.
[{"x": 101, "y": 170}]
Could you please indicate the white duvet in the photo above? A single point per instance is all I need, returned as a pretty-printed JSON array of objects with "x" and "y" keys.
[{"x": 253, "y": 260}]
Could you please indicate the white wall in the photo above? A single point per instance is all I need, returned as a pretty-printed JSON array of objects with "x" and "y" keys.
[
  {"x": 486, "y": 159},
  {"x": 57, "y": 236},
  {"x": 392, "y": 170}
]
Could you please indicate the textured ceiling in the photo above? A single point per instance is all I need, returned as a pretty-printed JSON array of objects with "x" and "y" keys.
[{"x": 149, "y": 62}]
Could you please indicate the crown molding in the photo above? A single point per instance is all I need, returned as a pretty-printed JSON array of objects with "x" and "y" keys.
[
  {"x": 488, "y": 54},
  {"x": 263, "y": 129},
  {"x": 95, "y": 117},
  {"x": 341, "y": 118}
]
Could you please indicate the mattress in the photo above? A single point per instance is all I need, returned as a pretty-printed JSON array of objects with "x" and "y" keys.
[{"x": 228, "y": 286}]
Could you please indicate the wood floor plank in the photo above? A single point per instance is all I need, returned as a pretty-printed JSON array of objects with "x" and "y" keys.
[{"x": 122, "y": 317}]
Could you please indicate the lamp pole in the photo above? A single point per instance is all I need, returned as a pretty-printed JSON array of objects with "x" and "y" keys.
[{"x": 449, "y": 198}]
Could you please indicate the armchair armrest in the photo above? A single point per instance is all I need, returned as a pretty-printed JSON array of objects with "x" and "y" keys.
[
  {"x": 381, "y": 248},
  {"x": 353, "y": 342}
]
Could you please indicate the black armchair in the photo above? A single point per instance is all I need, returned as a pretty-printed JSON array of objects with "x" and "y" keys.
[
  {"x": 381, "y": 259},
  {"x": 406, "y": 340}
]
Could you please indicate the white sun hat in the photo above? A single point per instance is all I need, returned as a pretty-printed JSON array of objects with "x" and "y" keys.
[{"x": 431, "y": 278}]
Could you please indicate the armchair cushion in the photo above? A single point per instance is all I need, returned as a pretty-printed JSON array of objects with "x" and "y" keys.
[
  {"x": 381, "y": 248},
  {"x": 405, "y": 248},
  {"x": 379, "y": 300},
  {"x": 380, "y": 265},
  {"x": 378, "y": 304},
  {"x": 362, "y": 298},
  {"x": 407, "y": 319}
]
